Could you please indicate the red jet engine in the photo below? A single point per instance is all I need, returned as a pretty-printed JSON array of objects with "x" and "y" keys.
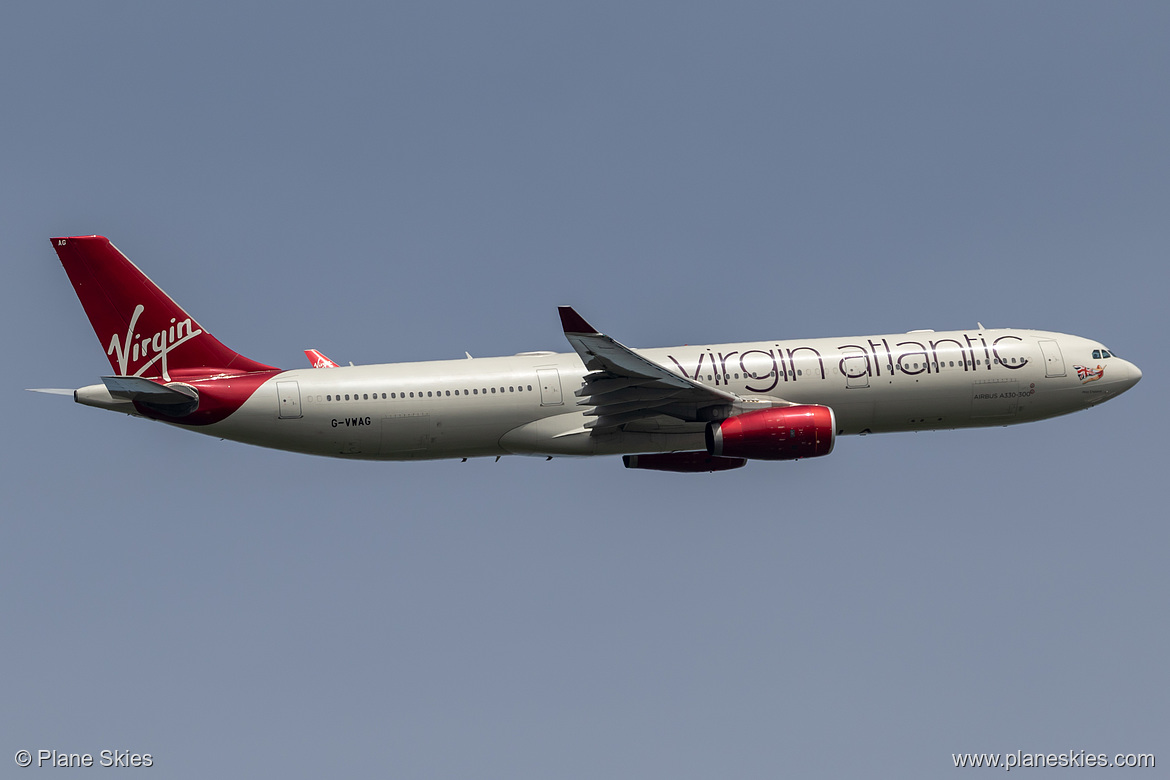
[{"x": 780, "y": 433}]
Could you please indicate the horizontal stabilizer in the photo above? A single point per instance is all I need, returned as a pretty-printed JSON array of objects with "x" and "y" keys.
[
  {"x": 51, "y": 390},
  {"x": 175, "y": 400}
]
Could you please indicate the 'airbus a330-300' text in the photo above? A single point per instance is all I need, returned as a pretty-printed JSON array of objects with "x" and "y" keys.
[{"x": 692, "y": 408}]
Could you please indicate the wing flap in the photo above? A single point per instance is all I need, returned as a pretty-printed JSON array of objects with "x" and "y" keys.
[
  {"x": 598, "y": 384},
  {"x": 608, "y": 421},
  {"x": 630, "y": 406},
  {"x": 646, "y": 393}
]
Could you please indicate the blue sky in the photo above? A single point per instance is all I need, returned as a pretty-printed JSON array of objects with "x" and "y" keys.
[{"x": 406, "y": 182}]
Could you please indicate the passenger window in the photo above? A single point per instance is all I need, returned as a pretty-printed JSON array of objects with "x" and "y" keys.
[
  {"x": 448, "y": 392},
  {"x": 493, "y": 389}
]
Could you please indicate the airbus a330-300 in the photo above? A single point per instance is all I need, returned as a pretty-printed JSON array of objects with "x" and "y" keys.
[{"x": 689, "y": 408}]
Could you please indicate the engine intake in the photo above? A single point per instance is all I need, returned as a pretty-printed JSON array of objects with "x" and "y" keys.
[{"x": 781, "y": 433}]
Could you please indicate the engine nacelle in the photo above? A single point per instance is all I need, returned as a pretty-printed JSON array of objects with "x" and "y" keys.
[{"x": 780, "y": 433}]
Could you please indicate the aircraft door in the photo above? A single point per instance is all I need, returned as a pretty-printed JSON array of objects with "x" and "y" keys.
[
  {"x": 289, "y": 399},
  {"x": 1053, "y": 359},
  {"x": 856, "y": 369},
  {"x": 550, "y": 386}
]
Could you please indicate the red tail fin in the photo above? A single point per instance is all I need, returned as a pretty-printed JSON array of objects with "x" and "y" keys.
[{"x": 143, "y": 331}]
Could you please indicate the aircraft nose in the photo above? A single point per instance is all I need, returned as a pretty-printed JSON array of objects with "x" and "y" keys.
[{"x": 1133, "y": 375}]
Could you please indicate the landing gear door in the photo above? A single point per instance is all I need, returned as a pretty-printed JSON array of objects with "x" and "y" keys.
[
  {"x": 1053, "y": 360},
  {"x": 289, "y": 398},
  {"x": 550, "y": 386}
]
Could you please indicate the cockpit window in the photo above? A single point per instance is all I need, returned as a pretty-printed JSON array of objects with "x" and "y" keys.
[{"x": 1099, "y": 354}]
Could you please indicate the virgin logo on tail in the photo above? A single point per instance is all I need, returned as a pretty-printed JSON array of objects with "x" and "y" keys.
[{"x": 137, "y": 346}]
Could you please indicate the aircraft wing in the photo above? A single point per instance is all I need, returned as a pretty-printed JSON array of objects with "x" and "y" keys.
[{"x": 624, "y": 387}]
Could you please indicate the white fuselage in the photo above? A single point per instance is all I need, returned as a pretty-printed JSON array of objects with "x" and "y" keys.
[{"x": 525, "y": 404}]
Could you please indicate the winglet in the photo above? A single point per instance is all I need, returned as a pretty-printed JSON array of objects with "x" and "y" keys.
[
  {"x": 573, "y": 322},
  {"x": 318, "y": 360}
]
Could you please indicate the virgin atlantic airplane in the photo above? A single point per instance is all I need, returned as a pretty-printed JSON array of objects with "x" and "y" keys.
[{"x": 692, "y": 408}]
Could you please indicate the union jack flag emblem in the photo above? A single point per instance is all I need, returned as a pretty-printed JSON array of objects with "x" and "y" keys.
[{"x": 1087, "y": 374}]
